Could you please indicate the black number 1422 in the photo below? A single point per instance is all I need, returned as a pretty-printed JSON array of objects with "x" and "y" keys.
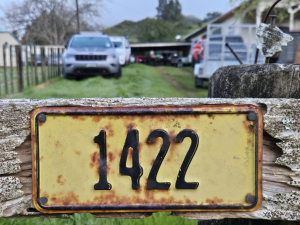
[{"x": 136, "y": 171}]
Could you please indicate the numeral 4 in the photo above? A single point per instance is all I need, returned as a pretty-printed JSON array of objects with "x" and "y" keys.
[{"x": 136, "y": 171}]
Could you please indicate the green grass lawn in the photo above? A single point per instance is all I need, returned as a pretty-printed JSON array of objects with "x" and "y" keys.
[
  {"x": 138, "y": 80},
  {"x": 89, "y": 219}
]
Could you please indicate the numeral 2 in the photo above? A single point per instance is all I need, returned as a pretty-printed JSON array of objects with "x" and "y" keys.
[
  {"x": 136, "y": 171},
  {"x": 152, "y": 182},
  {"x": 101, "y": 141},
  {"x": 180, "y": 182}
]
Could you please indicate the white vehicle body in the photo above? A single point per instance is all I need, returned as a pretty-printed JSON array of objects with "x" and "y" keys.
[
  {"x": 123, "y": 49},
  {"x": 187, "y": 60},
  {"x": 216, "y": 54}
]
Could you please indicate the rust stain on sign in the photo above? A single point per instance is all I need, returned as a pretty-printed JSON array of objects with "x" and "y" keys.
[{"x": 199, "y": 158}]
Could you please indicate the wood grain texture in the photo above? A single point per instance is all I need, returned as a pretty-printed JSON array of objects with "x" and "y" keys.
[
  {"x": 256, "y": 81},
  {"x": 281, "y": 155}
]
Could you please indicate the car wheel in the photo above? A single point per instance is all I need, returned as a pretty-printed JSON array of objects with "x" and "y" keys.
[
  {"x": 119, "y": 73},
  {"x": 67, "y": 76},
  {"x": 198, "y": 82}
]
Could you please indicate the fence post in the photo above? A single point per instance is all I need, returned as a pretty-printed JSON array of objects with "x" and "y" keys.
[
  {"x": 27, "y": 72},
  {"x": 35, "y": 66},
  {"x": 4, "y": 67},
  {"x": 19, "y": 68},
  {"x": 48, "y": 68},
  {"x": 31, "y": 66},
  {"x": 58, "y": 63},
  {"x": 11, "y": 69},
  {"x": 51, "y": 62},
  {"x": 43, "y": 62},
  {"x": 56, "y": 68}
]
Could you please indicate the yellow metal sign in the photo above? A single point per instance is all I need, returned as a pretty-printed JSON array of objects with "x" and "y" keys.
[{"x": 202, "y": 158}]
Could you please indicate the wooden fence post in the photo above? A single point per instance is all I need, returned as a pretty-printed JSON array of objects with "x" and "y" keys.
[
  {"x": 51, "y": 62},
  {"x": 255, "y": 81},
  {"x": 4, "y": 68},
  {"x": 11, "y": 69},
  {"x": 31, "y": 66},
  {"x": 19, "y": 68},
  {"x": 26, "y": 61},
  {"x": 54, "y": 63},
  {"x": 280, "y": 162},
  {"x": 35, "y": 66},
  {"x": 58, "y": 63},
  {"x": 48, "y": 64},
  {"x": 43, "y": 62}
]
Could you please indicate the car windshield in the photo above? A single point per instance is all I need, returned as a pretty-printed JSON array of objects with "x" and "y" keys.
[
  {"x": 91, "y": 42},
  {"x": 118, "y": 44}
]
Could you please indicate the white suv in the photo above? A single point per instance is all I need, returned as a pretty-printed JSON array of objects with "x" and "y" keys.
[
  {"x": 90, "y": 54},
  {"x": 123, "y": 49}
]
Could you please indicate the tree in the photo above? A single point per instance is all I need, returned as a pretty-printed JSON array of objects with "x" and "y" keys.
[
  {"x": 247, "y": 7},
  {"x": 160, "y": 8},
  {"x": 49, "y": 21},
  {"x": 169, "y": 10},
  {"x": 155, "y": 30},
  {"x": 211, "y": 16}
]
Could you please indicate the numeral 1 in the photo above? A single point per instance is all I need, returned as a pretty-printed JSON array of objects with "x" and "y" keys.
[
  {"x": 152, "y": 182},
  {"x": 136, "y": 171},
  {"x": 101, "y": 141},
  {"x": 180, "y": 182}
]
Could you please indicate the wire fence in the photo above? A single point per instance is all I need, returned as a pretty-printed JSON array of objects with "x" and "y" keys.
[{"x": 22, "y": 66}]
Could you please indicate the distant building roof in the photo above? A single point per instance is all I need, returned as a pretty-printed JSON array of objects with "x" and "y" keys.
[
  {"x": 11, "y": 35},
  {"x": 220, "y": 19}
]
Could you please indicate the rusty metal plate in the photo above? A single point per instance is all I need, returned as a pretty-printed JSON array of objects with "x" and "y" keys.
[{"x": 138, "y": 159}]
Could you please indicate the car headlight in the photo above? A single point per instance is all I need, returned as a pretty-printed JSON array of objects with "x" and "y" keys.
[
  {"x": 68, "y": 56},
  {"x": 113, "y": 56}
]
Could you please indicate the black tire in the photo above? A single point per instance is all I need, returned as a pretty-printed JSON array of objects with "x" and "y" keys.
[
  {"x": 198, "y": 82},
  {"x": 119, "y": 73},
  {"x": 68, "y": 77}
]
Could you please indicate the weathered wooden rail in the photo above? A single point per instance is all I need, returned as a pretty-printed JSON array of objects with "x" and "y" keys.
[{"x": 281, "y": 155}]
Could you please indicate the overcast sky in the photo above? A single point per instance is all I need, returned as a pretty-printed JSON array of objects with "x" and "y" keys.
[{"x": 115, "y": 11}]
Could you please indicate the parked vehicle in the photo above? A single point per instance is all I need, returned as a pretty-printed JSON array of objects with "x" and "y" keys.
[
  {"x": 175, "y": 59},
  {"x": 132, "y": 59},
  {"x": 90, "y": 54},
  {"x": 123, "y": 49},
  {"x": 214, "y": 55},
  {"x": 141, "y": 59},
  {"x": 155, "y": 59}
]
